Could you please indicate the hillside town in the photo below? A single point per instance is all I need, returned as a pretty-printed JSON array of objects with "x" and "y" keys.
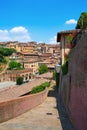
[
  {"x": 43, "y": 85},
  {"x": 31, "y": 55}
]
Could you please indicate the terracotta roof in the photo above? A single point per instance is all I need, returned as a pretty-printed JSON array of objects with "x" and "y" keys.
[
  {"x": 20, "y": 71},
  {"x": 66, "y": 32},
  {"x": 48, "y": 75},
  {"x": 31, "y": 61}
]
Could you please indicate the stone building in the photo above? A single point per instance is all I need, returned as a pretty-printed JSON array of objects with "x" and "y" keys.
[
  {"x": 65, "y": 38},
  {"x": 73, "y": 85},
  {"x": 31, "y": 64},
  {"x": 26, "y": 74}
]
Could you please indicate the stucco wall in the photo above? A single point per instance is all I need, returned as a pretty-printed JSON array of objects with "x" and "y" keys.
[
  {"x": 73, "y": 88},
  {"x": 12, "y": 108}
]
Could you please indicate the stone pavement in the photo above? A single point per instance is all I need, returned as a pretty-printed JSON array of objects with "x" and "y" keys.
[{"x": 42, "y": 117}]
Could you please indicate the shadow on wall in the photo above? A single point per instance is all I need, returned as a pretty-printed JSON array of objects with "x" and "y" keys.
[{"x": 63, "y": 116}]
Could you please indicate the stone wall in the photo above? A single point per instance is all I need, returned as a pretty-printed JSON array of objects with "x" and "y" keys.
[
  {"x": 12, "y": 108},
  {"x": 73, "y": 87},
  {"x": 4, "y": 77}
]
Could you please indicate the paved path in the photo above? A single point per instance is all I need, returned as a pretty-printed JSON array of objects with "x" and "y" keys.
[{"x": 42, "y": 117}]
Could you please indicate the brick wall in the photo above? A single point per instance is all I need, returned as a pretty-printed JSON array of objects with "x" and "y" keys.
[
  {"x": 12, "y": 108},
  {"x": 73, "y": 87}
]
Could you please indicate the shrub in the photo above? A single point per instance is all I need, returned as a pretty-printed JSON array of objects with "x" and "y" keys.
[
  {"x": 65, "y": 68},
  {"x": 46, "y": 84},
  {"x": 43, "y": 69},
  {"x": 40, "y": 88},
  {"x": 54, "y": 75},
  {"x": 14, "y": 65},
  {"x": 19, "y": 80}
]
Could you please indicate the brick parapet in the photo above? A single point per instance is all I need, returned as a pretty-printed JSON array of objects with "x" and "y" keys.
[{"x": 14, "y": 107}]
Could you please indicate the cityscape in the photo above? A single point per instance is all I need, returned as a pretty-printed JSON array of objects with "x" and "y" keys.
[{"x": 43, "y": 65}]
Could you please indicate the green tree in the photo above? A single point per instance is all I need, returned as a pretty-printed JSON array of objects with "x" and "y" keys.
[
  {"x": 19, "y": 80},
  {"x": 43, "y": 69},
  {"x": 82, "y": 21},
  {"x": 6, "y": 51},
  {"x": 14, "y": 64},
  {"x": 1, "y": 57}
]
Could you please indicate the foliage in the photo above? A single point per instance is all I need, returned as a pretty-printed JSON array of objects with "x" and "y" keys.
[
  {"x": 4, "y": 61},
  {"x": 54, "y": 75},
  {"x": 40, "y": 88},
  {"x": 66, "y": 57},
  {"x": 43, "y": 69},
  {"x": 65, "y": 68},
  {"x": 14, "y": 65},
  {"x": 6, "y": 51},
  {"x": 82, "y": 21},
  {"x": 65, "y": 65},
  {"x": 0, "y": 69},
  {"x": 19, "y": 80},
  {"x": 46, "y": 84},
  {"x": 57, "y": 80},
  {"x": 69, "y": 38},
  {"x": 1, "y": 57}
]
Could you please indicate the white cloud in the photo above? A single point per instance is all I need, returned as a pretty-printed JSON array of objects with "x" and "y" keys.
[
  {"x": 4, "y": 35},
  {"x": 40, "y": 42},
  {"x": 20, "y": 34},
  {"x": 71, "y": 21},
  {"x": 20, "y": 29},
  {"x": 53, "y": 40}
]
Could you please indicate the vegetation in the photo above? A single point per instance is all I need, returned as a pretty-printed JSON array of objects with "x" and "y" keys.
[
  {"x": 82, "y": 21},
  {"x": 43, "y": 69},
  {"x": 0, "y": 69},
  {"x": 1, "y": 58},
  {"x": 69, "y": 38},
  {"x": 14, "y": 65},
  {"x": 6, "y": 51},
  {"x": 40, "y": 87},
  {"x": 65, "y": 68},
  {"x": 57, "y": 79},
  {"x": 19, "y": 80},
  {"x": 65, "y": 65},
  {"x": 54, "y": 75}
]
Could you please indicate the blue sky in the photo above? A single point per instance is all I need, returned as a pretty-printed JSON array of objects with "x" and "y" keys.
[{"x": 38, "y": 20}]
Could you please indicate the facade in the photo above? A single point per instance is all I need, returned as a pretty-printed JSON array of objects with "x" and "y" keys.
[
  {"x": 20, "y": 47},
  {"x": 53, "y": 48},
  {"x": 31, "y": 65},
  {"x": 73, "y": 85},
  {"x": 65, "y": 38},
  {"x": 26, "y": 74},
  {"x": 4, "y": 77}
]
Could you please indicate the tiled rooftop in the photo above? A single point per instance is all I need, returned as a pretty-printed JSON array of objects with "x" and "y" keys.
[{"x": 46, "y": 75}]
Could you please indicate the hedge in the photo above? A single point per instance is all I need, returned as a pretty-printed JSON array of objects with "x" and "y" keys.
[{"x": 40, "y": 88}]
